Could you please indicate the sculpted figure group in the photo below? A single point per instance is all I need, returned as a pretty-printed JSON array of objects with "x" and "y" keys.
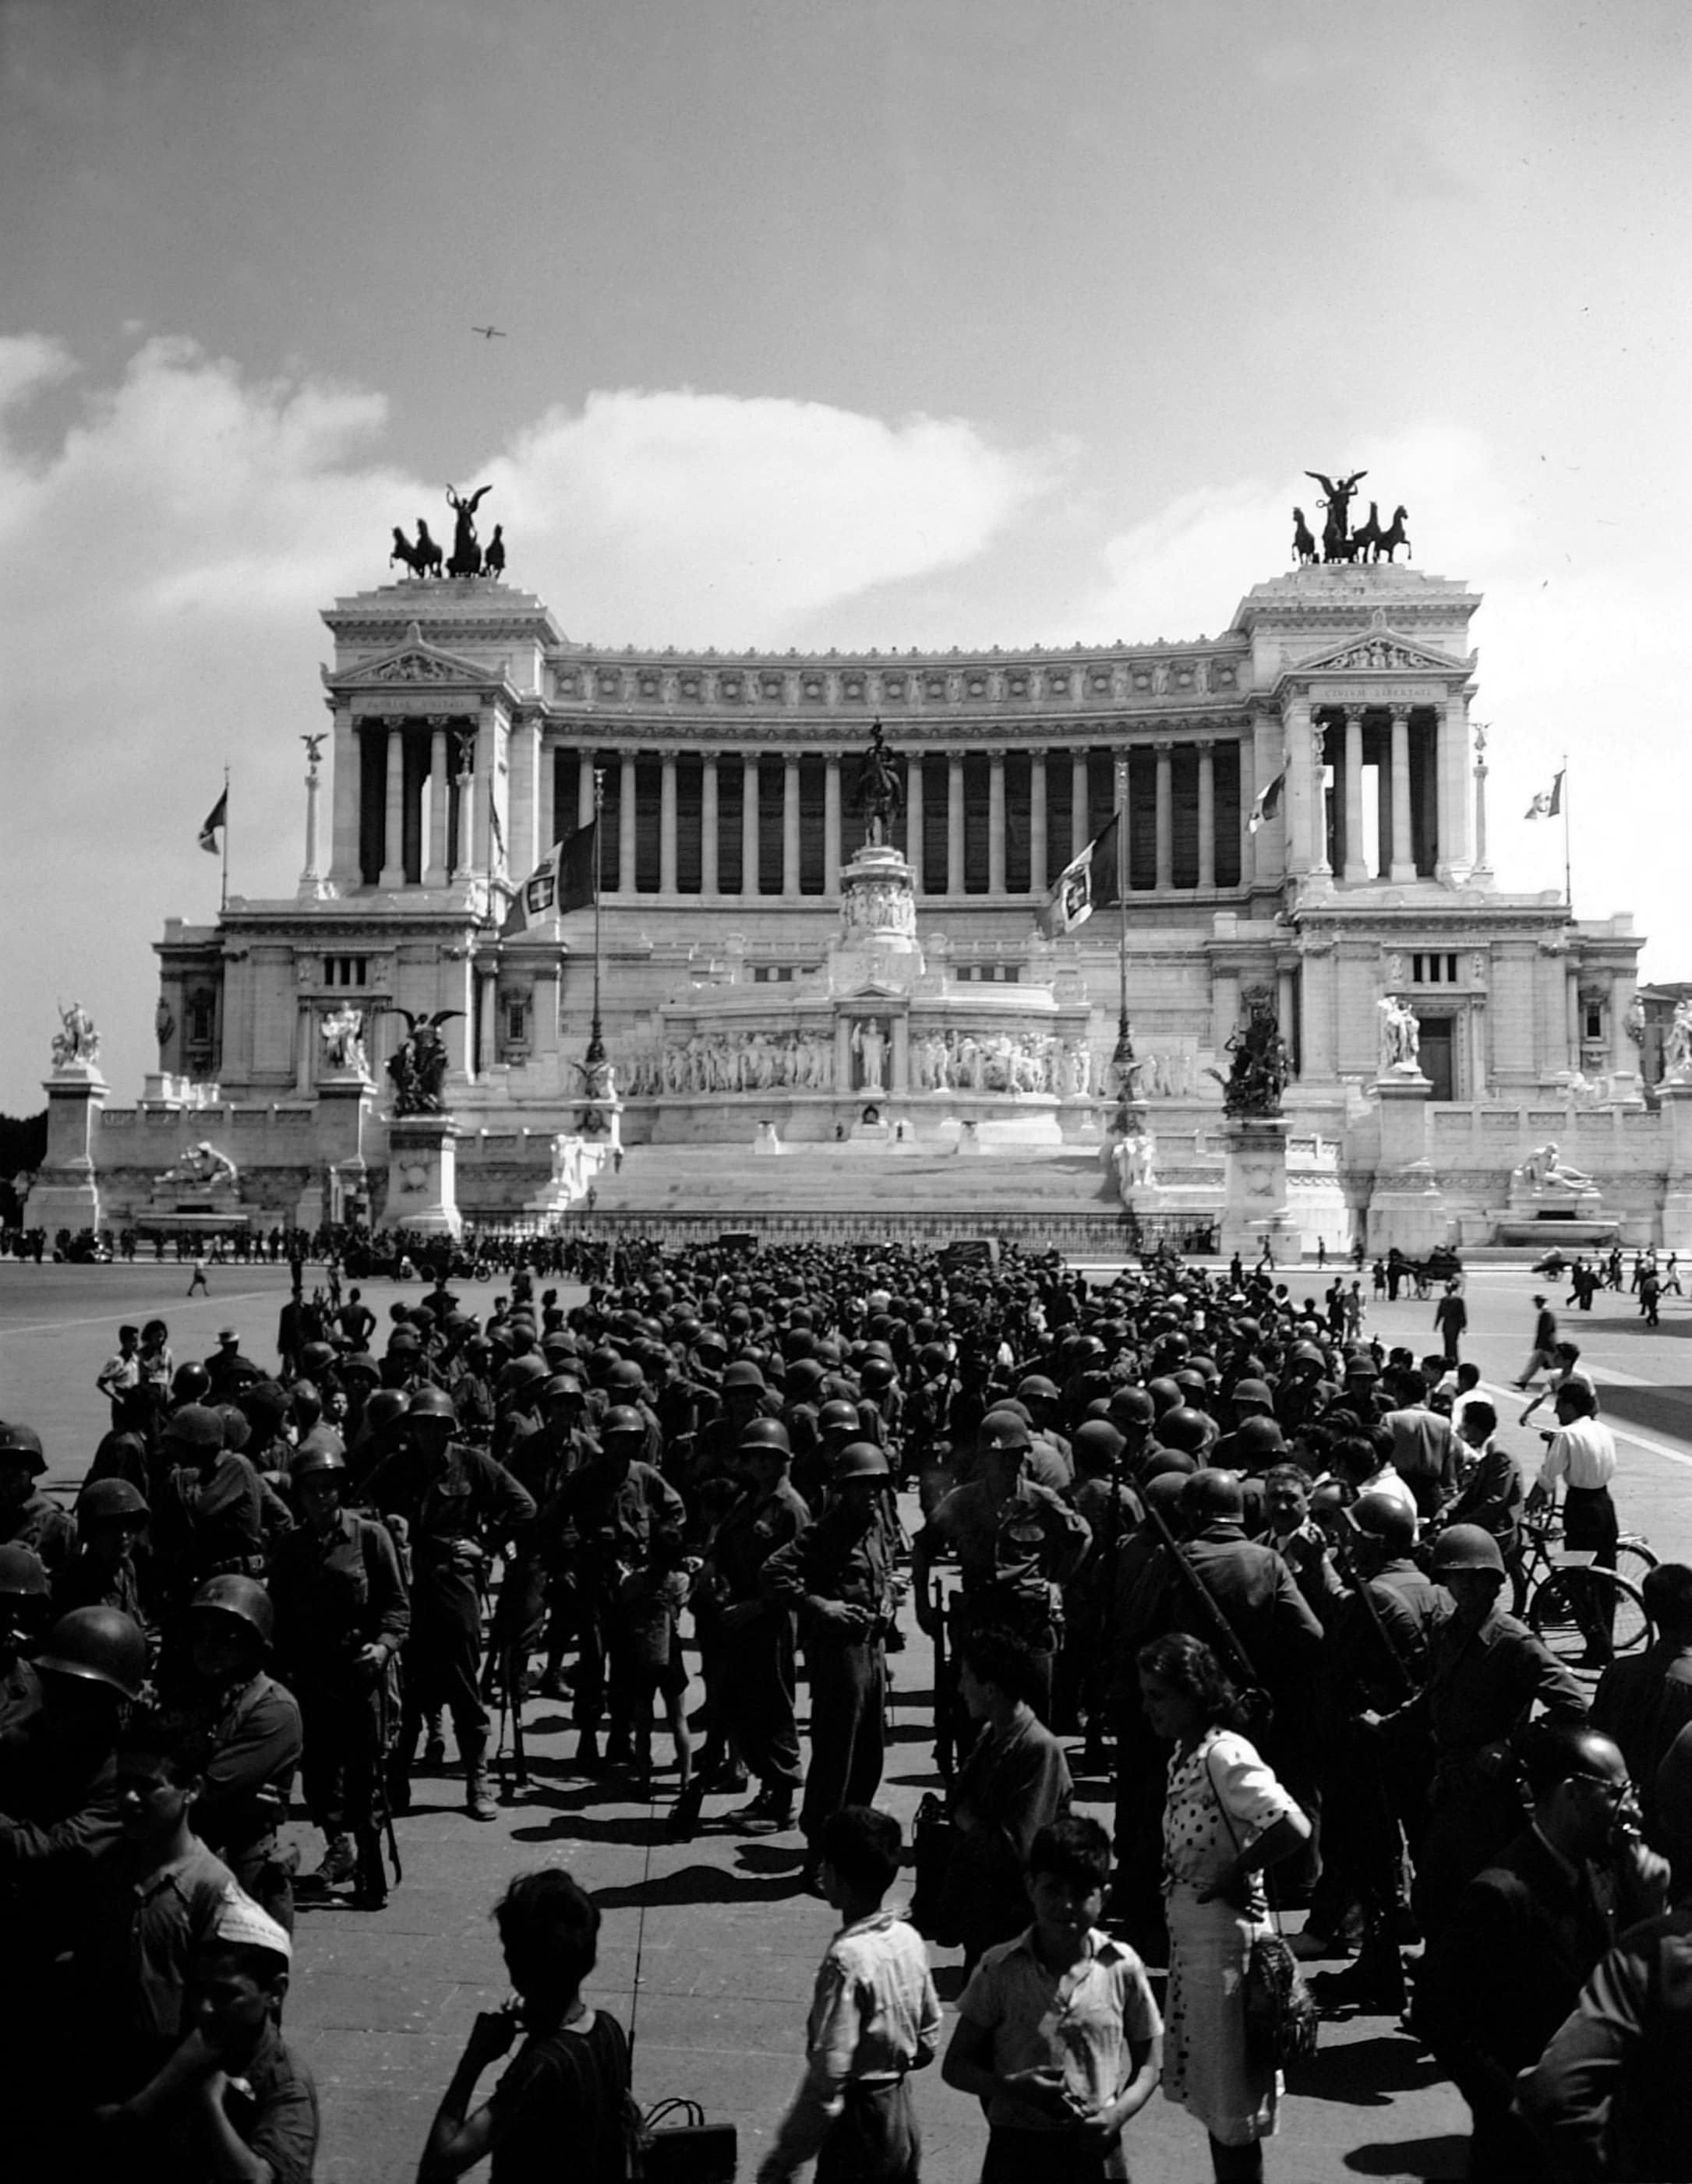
[
  {"x": 77, "y": 1039},
  {"x": 722, "y": 1061},
  {"x": 1400, "y": 1036},
  {"x": 201, "y": 1165},
  {"x": 342, "y": 1035}
]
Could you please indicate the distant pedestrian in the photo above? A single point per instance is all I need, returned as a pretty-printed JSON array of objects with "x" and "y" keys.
[
  {"x": 1451, "y": 1317},
  {"x": 1544, "y": 1356},
  {"x": 198, "y": 1280}
]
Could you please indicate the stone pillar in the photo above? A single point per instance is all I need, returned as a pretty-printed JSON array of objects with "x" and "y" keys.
[
  {"x": 487, "y": 1016},
  {"x": 1406, "y": 1205},
  {"x": 1404, "y": 861},
  {"x": 954, "y": 824},
  {"x": 749, "y": 825},
  {"x": 913, "y": 821},
  {"x": 625, "y": 828},
  {"x": 1037, "y": 882},
  {"x": 1624, "y": 1055},
  {"x": 304, "y": 1043},
  {"x": 667, "y": 824},
  {"x": 1166, "y": 817},
  {"x": 1296, "y": 790},
  {"x": 488, "y": 773},
  {"x": 343, "y": 848},
  {"x": 1677, "y": 1198},
  {"x": 996, "y": 825},
  {"x": 1206, "y": 817},
  {"x": 831, "y": 825},
  {"x": 1456, "y": 848},
  {"x": 393, "y": 873},
  {"x": 585, "y": 788},
  {"x": 789, "y": 825},
  {"x": 434, "y": 861},
  {"x": 1355, "y": 869},
  {"x": 1319, "y": 800},
  {"x": 546, "y": 831},
  {"x": 707, "y": 828},
  {"x": 899, "y": 1076},
  {"x": 312, "y": 885},
  {"x": 1080, "y": 832},
  {"x": 1256, "y": 1209},
  {"x": 843, "y": 1084},
  {"x": 65, "y": 1192},
  {"x": 420, "y": 1184}
]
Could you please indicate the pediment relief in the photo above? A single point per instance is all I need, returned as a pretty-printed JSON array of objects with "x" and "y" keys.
[
  {"x": 1383, "y": 652},
  {"x": 413, "y": 660}
]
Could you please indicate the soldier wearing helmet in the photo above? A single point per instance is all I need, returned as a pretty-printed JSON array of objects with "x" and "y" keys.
[
  {"x": 251, "y": 1723},
  {"x": 28, "y": 1518},
  {"x": 1017, "y": 1542},
  {"x": 1486, "y": 1671},
  {"x": 112, "y": 1518},
  {"x": 754, "y": 1638},
  {"x": 459, "y": 1507},
  {"x": 598, "y": 1525},
  {"x": 838, "y": 1577},
  {"x": 25, "y": 1610},
  {"x": 214, "y": 1514},
  {"x": 343, "y": 1613}
]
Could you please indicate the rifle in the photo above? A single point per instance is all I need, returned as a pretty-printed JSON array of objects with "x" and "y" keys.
[
  {"x": 1256, "y": 1705},
  {"x": 944, "y": 1737}
]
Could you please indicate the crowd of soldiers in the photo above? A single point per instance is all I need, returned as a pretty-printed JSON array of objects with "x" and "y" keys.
[{"x": 314, "y": 1570}]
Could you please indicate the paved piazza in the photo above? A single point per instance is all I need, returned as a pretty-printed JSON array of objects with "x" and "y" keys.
[{"x": 706, "y": 1945}]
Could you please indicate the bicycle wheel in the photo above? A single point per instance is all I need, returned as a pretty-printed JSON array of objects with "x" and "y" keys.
[
  {"x": 1574, "y": 1608},
  {"x": 1633, "y": 1559}
]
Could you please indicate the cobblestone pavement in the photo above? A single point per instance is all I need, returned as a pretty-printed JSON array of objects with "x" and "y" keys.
[{"x": 707, "y": 1947}]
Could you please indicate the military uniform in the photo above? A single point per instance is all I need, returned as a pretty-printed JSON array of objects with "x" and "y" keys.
[
  {"x": 254, "y": 1729},
  {"x": 836, "y": 1560},
  {"x": 600, "y": 1525},
  {"x": 1016, "y": 1556},
  {"x": 337, "y": 1592},
  {"x": 756, "y": 1658},
  {"x": 41, "y": 1526}
]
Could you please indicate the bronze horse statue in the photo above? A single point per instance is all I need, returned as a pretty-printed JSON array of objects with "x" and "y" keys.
[
  {"x": 1304, "y": 540},
  {"x": 422, "y": 560},
  {"x": 1395, "y": 535},
  {"x": 1366, "y": 535}
]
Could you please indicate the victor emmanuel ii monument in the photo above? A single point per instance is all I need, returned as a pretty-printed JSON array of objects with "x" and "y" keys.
[{"x": 819, "y": 913}]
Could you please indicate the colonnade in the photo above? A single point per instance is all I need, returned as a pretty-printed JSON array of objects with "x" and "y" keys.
[{"x": 1001, "y": 823}]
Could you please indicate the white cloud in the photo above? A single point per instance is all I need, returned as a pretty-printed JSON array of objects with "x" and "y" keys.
[{"x": 162, "y": 566}]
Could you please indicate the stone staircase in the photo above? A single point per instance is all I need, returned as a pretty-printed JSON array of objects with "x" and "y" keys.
[{"x": 1032, "y": 1194}]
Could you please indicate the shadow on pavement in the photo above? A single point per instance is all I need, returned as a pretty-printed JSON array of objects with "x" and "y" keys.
[
  {"x": 1433, "y": 2160},
  {"x": 694, "y": 1884},
  {"x": 1367, "y": 2074}
]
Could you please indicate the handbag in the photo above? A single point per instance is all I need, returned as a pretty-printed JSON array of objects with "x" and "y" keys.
[
  {"x": 673, "y": 2144},
  {"x": 1283, "y": 2026}
]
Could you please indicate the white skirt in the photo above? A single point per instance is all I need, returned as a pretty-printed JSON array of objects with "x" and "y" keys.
[{"x": 1206, "y": 2067}]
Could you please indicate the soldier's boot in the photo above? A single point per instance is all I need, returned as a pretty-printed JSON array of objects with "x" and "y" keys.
[
  {"x": 434, "y": 1741},
  {"x": 370, "y": 1882},
  {"x": 682, "y": 1821},
  {"x": 339, "y": 1861},
  {"x": 478, "y": 1798}
]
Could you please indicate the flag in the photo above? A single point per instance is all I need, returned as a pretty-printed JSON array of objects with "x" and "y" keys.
[
  {"x": 1548, "y": 802},
  {"x": 1086, "y": 884},
  {"x": 217, "y": 817},
  {"x": 1268, "y": 803},
  {"x": 562, "y": 881}
]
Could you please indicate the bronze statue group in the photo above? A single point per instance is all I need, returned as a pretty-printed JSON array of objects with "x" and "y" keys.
[{"x": 1183, "y": 1548}]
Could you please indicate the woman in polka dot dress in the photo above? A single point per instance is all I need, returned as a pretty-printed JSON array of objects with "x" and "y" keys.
[{"x": 1226, "y": 1818}]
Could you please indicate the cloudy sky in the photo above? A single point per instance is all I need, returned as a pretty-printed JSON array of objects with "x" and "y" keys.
[{"x": 831, "y": 322}]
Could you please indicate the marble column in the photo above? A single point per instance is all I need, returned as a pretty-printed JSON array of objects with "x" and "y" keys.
[
  {"x": 708, "y": 828},
  {"x": 1036, "y": 823},
  {"x": 750, "y": 875},
  {"x": 487, "y": 1017},
  {"x": 831, "y": 826},
  {"x": 434, "y": 863},
  {"x": 954, "y": 824},
  {"x": 343, "y": 848},
  {"x": 1355, "y": 867},
  {"x": 1206, "y": 817},
  {"x": 1404, "y": 862},
  {"x": 625, "y": 828},
  {"x": 996, "y": 825},
  {"x": 1080, "y": 832},
  {"x": 1456, "y": 848},
  {"x": 667, "y": 824},
  {"x": 488, "y": 775},
  {"x": 1165, "y": 817},
  {"x": 1296, "y": 788},
  {"x": 1319, "y": 800},
  {"x": 913, "y": 820},
  {"x": 585, "y": 788},
  {"x": 394, "y": 837},
  {"x": 789, "y": 827}
]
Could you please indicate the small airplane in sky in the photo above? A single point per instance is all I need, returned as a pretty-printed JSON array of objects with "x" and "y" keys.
[{"x": 489, "y": 333}]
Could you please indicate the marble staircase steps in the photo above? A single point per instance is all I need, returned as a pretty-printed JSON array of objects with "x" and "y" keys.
[{"x": 821, "y": 1179}]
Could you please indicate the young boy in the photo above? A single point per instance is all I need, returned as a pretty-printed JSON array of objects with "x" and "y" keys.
[
  {"x": 563, "y": 2103},
  {"x": 233, "y": 2100},
  {"x": 1057, "y": 2030},
  {"x": 873, "y": 2018},
  {"x": 170, "y": 1891}
]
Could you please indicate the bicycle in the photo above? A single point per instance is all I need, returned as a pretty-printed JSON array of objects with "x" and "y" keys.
[{"x": 1567, "y": 1600}]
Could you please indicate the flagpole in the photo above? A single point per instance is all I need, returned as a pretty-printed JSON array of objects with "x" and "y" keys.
[
  {"x": 595, "y": 1054},
  {"x": 223, "y": 902},
  {"x": 1568, "y": 883},
  {"x": 1122, "y": 1061}
]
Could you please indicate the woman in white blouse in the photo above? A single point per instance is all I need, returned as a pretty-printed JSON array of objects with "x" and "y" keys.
[{"x": 1226, "y": 1818}]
